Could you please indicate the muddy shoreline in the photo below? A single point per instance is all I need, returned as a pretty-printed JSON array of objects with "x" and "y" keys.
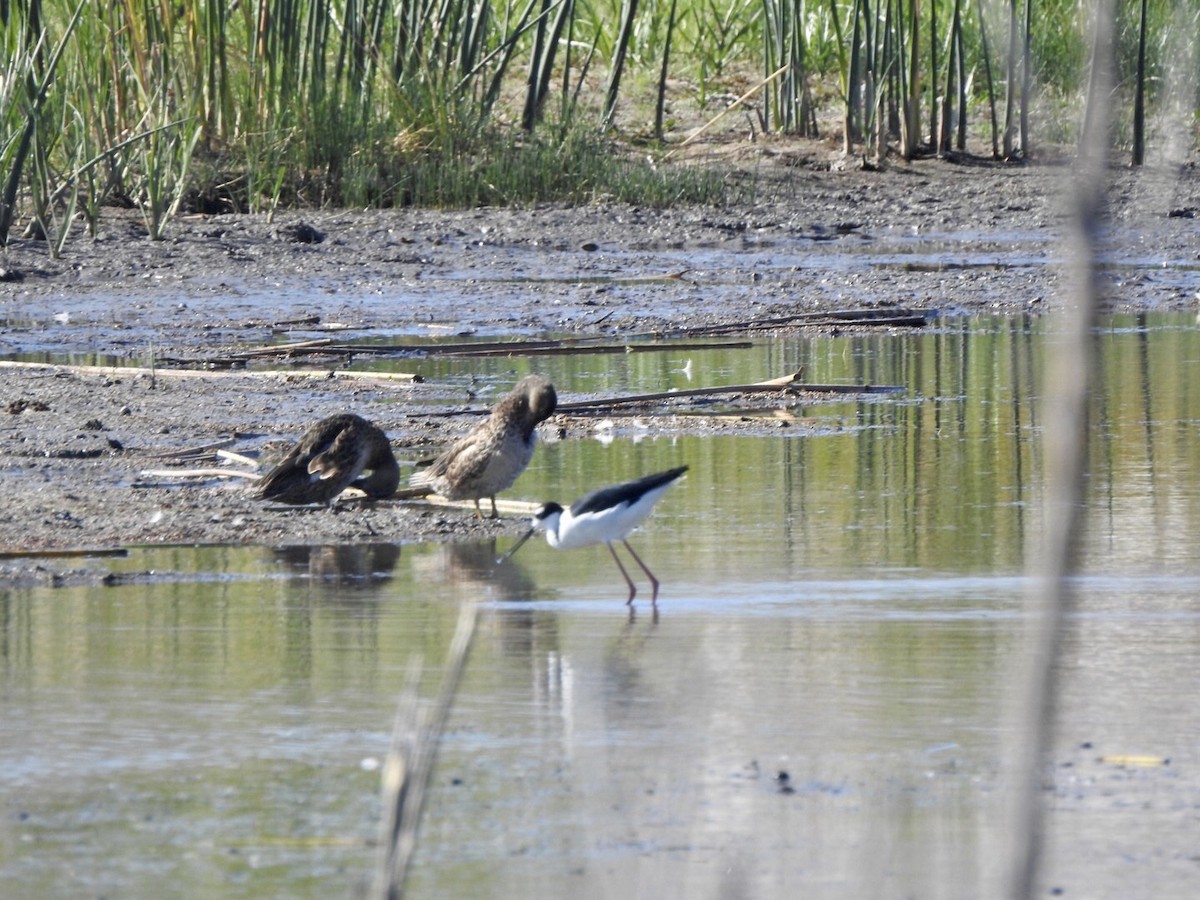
[{"x": 73, "y": 443}]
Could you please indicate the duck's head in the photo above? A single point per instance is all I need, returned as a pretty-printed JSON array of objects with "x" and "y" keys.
[{"x": 539, "y": 396}]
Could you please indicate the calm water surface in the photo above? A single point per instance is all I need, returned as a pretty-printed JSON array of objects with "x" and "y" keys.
[{"x": 819, "y": 710}]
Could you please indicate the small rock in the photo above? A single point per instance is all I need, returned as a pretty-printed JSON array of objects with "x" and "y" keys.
[
  {"x": 300, "y": 233},
  {"x": 16, "y": 407}
]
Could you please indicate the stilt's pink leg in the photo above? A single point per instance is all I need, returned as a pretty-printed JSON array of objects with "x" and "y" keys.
[
  {"x": 628, "y": 580},
  {"x": 649, "y": 574}
]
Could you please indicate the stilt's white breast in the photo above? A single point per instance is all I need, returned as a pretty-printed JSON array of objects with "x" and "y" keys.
[{"x": 609, "y": 524}]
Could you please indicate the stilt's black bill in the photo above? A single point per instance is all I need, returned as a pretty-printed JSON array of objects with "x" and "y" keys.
[{"x": 517, "y": 546}]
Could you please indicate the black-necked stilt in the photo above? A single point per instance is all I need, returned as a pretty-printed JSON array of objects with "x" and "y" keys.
[
  {"x": 488, "y": 459},
  {"x": 605, "y": 515},
  {"x": 336, "y": 453}
]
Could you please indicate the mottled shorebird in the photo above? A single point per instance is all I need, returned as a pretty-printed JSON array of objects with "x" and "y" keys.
[
  {"x": 605, "y": 515},
  {"x": 338, "y": 452},
  {"x": 488, "y": 459}
]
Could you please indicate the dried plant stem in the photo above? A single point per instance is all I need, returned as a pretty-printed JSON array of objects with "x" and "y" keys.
[
  {"x": 1069, "y": 392},
  {"x": 200, "y": 473},
  {"x": 155, "y": 371},
  {"x": 784, "y": 383},
  {"x": 410, "y": 761},
  {"x": 778, "y": 73}
]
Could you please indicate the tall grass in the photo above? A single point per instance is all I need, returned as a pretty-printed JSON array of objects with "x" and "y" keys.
[
  {"x": 246, "y": 106},
  {"x": 788, "y": 102},
  {"x": 26, "y": 107}
]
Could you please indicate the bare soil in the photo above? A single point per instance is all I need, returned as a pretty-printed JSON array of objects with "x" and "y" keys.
[{"x": 72, "y": 443}]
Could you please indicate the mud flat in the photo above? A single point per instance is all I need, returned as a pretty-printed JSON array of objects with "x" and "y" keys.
[{"x": 958, "y": 237}]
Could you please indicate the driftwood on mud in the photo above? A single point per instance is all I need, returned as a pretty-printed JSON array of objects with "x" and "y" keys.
[
  {"x": 200, "y": 473},
  {"x": 156, "y": 371},
  {"x": 505, "y": 506},
  {"x": 535, "y": 347},
  {"x": 238, "y": 458},
  {"x": 508, "y": 507},
  {"x": 65, "y": 552},
  {"x": 730, "y": 108},
  {"x": 199, "y": 450}
]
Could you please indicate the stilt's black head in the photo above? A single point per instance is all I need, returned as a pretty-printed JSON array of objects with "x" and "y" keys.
[{"x": 537, "y": 523}]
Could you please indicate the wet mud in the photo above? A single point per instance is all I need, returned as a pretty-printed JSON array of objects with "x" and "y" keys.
[{"x": 74, "y": 443}]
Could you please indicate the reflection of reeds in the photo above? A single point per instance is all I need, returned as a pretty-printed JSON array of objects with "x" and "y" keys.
[{"x": 411, "y": 758}]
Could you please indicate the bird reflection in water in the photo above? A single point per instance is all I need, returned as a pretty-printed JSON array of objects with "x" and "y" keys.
[
  {"x": 342, "y": 566},
  {"x": 528, "y": 637},
  {"x": 470, "y": 568}
]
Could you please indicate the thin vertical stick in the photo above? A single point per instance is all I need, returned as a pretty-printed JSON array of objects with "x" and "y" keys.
[
  {"x": 1068, "y": 394},
  {"x": 410, "y": 761}
]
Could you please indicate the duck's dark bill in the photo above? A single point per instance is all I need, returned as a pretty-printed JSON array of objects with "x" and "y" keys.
[{"x": 517, "y": 546}]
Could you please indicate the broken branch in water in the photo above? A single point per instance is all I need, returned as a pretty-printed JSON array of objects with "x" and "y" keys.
[
  {"x": 581, "y": 348},
  {"x": 879, "y": 318},
  {"x": 280, "y": 349},
  {"x": 790, "y": 383}
]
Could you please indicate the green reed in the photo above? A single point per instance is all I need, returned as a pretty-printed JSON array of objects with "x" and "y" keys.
[
  {"x": 248, "y": 106},
  {"x": 24, "y": 99},
  {"x": 788, "y": 106}
]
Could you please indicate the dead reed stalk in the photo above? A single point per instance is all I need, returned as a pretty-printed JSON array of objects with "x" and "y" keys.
[
  {"x": 1068, "y": 394},
  {"x": 411, "y": 758}
]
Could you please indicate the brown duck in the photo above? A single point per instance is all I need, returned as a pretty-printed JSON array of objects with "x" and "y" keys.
[
  {"x": 488, "y": 459},
  {"x": 338, "y": 452}
]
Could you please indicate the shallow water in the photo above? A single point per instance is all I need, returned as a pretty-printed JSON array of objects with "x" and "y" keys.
[{"x": 841, "y": 604}]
